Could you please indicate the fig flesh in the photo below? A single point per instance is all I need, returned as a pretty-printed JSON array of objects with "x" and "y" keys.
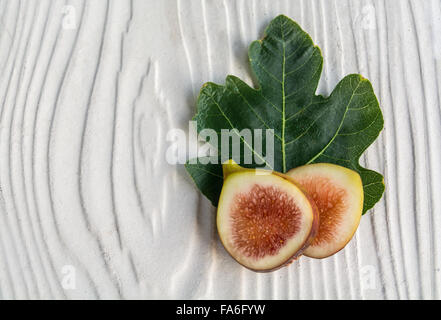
[
  {"x": 338, "y": 194},
  {"x": 264, "y": 220}
]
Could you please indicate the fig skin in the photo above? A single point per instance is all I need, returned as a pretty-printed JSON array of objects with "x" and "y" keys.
[
  {"x": 232, "y": 169},
  {"x": 338, "y": 227},
  {"x": 231, "y": 166}
]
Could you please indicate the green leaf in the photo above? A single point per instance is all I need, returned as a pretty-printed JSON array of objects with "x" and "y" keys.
[
  {"x": 208, "y": 177},
  {"x": 307, "y": 128}
]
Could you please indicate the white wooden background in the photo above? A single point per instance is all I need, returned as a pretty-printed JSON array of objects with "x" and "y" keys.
[{"x": 89, "y": 208}]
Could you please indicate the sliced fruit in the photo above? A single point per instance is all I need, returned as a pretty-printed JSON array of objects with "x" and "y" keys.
[
  {"x": 338, "y": 195},
  {"x": 263, "y": 219}
]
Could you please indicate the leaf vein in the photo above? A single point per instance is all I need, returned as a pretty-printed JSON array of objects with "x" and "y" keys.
[{"x": 240, "y": 137}]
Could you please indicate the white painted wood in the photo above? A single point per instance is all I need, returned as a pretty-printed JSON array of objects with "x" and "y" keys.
[{"x": 89, "y": 208}]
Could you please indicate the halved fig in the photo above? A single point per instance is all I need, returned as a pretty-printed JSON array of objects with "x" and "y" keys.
[
  {"x": 263, "y": 219},
  {"x": 338, "y": 194}
]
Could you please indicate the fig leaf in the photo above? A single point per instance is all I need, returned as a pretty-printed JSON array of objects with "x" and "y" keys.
[{"x": 308, "y": 128}]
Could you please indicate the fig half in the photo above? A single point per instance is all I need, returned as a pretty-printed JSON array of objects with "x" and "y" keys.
[
  {"x": 338, "y": 194},
  {"x": 264, "y": 220}
]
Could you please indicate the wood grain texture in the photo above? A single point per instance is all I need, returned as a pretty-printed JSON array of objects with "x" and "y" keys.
[{"x": 89, "y": 91}]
